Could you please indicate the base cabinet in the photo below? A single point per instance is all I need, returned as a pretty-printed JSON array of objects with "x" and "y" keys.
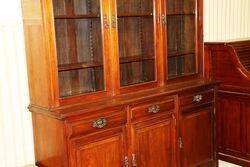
[
  {"x": 197, "y": 139},
  {"x": 159, "y": 131}
]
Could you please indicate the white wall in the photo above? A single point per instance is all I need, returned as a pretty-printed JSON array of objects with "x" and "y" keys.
[
  {"x": 16, "y": 141},
  {"x": 224, "y": 19}
]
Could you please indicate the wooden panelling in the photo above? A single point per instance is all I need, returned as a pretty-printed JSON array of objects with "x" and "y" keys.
[
  {"x": 233, "y": 128},
  {"x": 230, "y": 123},
  {"x": 51, "y": 146},
  {"x": 228, "y": 62}
]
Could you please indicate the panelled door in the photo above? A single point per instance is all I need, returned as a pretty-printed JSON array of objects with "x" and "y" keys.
[
  {"x": 153, "y": 143},
  {"x": 99, "y": 150},
  {"x": 196, "y": 142}
]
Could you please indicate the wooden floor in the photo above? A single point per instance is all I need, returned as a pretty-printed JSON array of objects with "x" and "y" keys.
[{"x": 225, "y": 164}]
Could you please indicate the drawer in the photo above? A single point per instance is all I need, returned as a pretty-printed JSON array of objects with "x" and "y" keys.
[
  {"x": 96, "y": 124},
  {"x": 152, "y": 109},
  {"x": 197, "y": 98}
]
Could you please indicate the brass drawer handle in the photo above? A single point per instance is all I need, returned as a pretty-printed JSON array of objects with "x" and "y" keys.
[
  {"x": 100, "y": 123},
  {"x": 197, "y": 98},
  {"x": 154, "y": 109}
]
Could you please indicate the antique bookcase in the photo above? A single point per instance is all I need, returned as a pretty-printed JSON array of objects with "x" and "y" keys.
[{"x": 118, "y": 82}]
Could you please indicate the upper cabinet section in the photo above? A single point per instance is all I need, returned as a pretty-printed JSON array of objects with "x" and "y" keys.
[
  {"x": 181, "y": 38},
  {"x": 79, "y": 44},
  {"x": 92, "y": 49},
  {"x": 136, "y": 41}
]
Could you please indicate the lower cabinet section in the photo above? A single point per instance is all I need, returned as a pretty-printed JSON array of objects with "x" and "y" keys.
[
  {"x": 163, "y": 131},
  {"x": 197, "y": 139}
]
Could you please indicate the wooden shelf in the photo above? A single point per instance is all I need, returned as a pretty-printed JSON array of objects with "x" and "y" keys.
[
  {"x": 131, "y": 59},
  {"x": 181, "y": 53},
  {"x": 135, "y": 15},
  {"x": 75, "y": 66},
  {"x": 85, "y": 16},
  {"x": 180, "y": 13},
  {"x": 180, "y": 75}
]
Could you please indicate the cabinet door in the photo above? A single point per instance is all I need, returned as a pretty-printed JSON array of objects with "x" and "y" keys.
[
  {"x": 197, "y": 139},
  {"x": 153, "y": 143},
  {"x": 136, "y": 41},
  {"x": 99, "y": 150},
  {"x": 79, "y": 35},
  {"x": 182, "y": 31}
]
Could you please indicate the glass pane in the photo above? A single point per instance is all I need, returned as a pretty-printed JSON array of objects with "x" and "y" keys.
[
  {"x": 136, "y": 41},
  {"x": 79, "y": 48},
  {"x": 76, "y": 7},
  {"x": 75, "y": 82},
  {"x": 181, "y": 33},
  {"x": 78, "y": 40},
  {"x": 181, "y": 6},
  {"x": 181, "y": 44},
  {"x": 137, "y": 72},
  {"x": 181, "y": 66}
]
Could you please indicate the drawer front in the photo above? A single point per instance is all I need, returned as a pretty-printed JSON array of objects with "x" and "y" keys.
[
  {"x": 197, "y": 98},
  {"x": 96, "y": 123},
  {"x": 152, "y": 109}
]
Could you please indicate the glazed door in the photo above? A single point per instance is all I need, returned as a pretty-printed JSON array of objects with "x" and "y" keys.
[
  {"x": 100, "y": 150},
  {"x": 181, "y": 34},
  {"x": 136, "y": 39},
  {"x": 196, "y": 142},
  {"x": 80, "y": 31},
  {"x": 153, "y": 143}
]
